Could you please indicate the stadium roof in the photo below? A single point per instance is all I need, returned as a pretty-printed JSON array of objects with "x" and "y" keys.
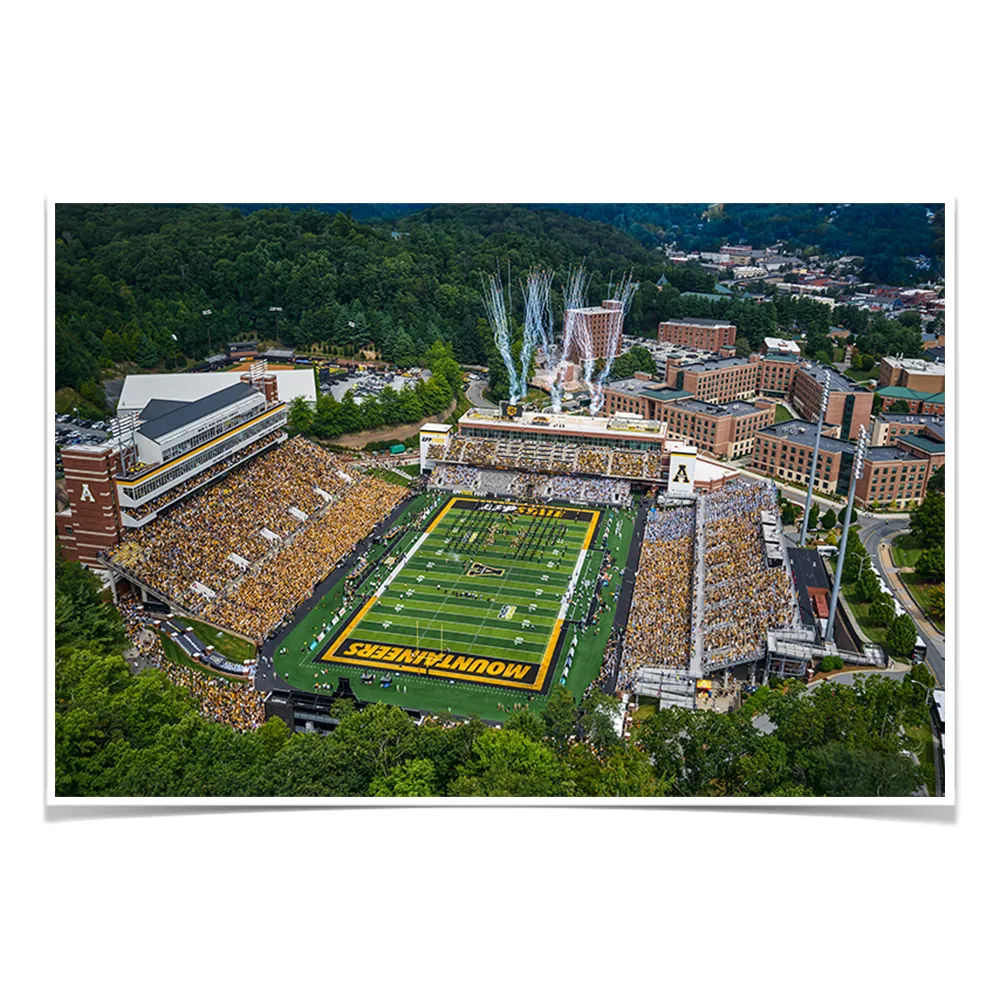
[
  {"x": 186, "y": 387},
  {"x": 158, "y": 407},
  {"x": 188, "y": 413}
]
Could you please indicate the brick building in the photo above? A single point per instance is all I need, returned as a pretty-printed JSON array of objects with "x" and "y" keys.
[
  {"x": 918, "y": 402},
  {"x": 784, "y": 451},
  {"x": 704, "y": 334},
  {"x": 724, "y": 429},
  {"x": 777, "y": 371},
  {"x": 887, "y": 428},
  {"x": 639, "y": 396},
  {"x": 849, "y": 405},
  {"x": 889, "y": 473},
  {"x": 92, "y": 521},
  {"x": 719, "y": 381},
  {"x": 918, "y": 374},
  {"x": 601, "y": 326}
]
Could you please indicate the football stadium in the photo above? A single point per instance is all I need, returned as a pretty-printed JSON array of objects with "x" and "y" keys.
[{"x": 527, "y": 550}]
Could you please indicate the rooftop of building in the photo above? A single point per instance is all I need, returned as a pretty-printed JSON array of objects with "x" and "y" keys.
[
  {"x": 804, "y": 432},
  {"x": 692, "y": 321},
  {"x": 839, "y": 382},
  {"x": 187, "y": 413},
  {"x": 240, "y": 345},
  {"x": 570, "y": 422},
  {"x": 779, "y": 345},
  {"x": 922, "y": 442},
  {"x": 716, "y": 364},
  {"x": 917, "y": 420},
  {"x": 590, "y": 310},
  {"x": 904, "y": 392},
  {"x": 737, "y": 408},
  {"x": 916, "y": 366},
  {"x": 887, "y": 453}
]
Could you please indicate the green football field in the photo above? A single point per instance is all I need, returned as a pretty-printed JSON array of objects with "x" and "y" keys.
[
  {"x": 315, "y": 634},
  {"x": 480, "y": 596}
]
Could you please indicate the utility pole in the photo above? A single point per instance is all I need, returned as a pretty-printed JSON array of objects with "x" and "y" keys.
[
  {"x": 857, "y": 472},
  {"x": 812, "y": 473}
]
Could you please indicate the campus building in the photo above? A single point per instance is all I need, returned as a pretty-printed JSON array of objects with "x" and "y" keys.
[
  {"x": 887, "y": 428},
  {"x": 726, "y": 430},
  {"x": 703, "y": 334},
  {"x": 889, "y": 473},
  {"x": 918, "y": 374},
  {"x": 784, "y": 451},
  {"x": 639, "y": 396},
  {"x": 600, "y": 326},
  {"x": 916, "y": 402},
  {"x": 717, "y": 381},
  {"x": 160, "y": 455},
  {"x": 849, "y": 405}
]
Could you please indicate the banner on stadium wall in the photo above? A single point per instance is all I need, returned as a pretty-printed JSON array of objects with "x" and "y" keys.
[
  {"x": 680, "y": 481},
  {"x": 705, "y": 685}
]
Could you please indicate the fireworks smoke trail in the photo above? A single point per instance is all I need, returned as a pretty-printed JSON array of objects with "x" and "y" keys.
[
  {"x": 574, "y": 297},
  {"x": 622, "y": 294},
  {"x": 536, "y": 292},
  {"x": 500, "y": 322}
]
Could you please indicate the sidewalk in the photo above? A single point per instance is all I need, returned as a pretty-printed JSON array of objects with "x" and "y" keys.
[{"x": 892, "y": 575}]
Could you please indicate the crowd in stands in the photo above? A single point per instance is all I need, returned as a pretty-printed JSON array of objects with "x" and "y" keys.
[
  {"x": 185, "y": 554},
  {"x": 164, "y": 499},
  {"x": 235, "y": 703},
  {"x": 659, "y": 625},
  {"x": 744, "y": 597},
  {"x": 454, "y": 477}
]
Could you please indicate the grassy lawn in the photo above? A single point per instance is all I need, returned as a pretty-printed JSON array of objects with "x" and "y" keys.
[
  {"x": 781, "y": 414},
  {"x": 413, "y": 470},
  {"x": 906, "y": 550},
  {"x": 920, "y": 591},
  {"x": 389, "y": 477},
  {"x": 233, "y": 648},
  {"x": 875, "y": 633},
  {"x": 862, "y": 374},
  {"x": 175, "y": 654}
]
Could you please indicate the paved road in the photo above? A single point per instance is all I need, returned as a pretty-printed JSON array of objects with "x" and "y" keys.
[
  {"x": 474, "y": 390},
  {"x": 875, "y": 533}
]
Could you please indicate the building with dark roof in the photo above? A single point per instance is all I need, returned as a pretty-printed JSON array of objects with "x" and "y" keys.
[
  {"x": 704, "y": 334},
  {"x": 886, "y": 428},
  {"x": 889, "y": 474},
  {"x": 849, "y": 405},
  {"x": 239, "y": 349}
]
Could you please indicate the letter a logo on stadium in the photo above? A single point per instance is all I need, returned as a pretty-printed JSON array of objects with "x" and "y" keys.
[
  {"x": 85, "y": 493},
  {"x": 681, "y": 475}
]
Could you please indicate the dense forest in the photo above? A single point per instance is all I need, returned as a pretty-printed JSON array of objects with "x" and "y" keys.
[
  {"x": 132, "y": 281},
  {"x": 140, "y": 735},
  {"x": 884, "y": 234}
]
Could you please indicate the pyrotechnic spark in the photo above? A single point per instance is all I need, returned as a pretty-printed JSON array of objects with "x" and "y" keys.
[{"x": 621, "y": 294}]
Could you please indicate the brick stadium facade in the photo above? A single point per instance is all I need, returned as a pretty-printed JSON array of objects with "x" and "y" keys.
[{"x": 92, "y": 522}]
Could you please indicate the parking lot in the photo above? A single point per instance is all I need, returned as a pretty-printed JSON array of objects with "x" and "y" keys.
[{"x": 75, "y": 430}]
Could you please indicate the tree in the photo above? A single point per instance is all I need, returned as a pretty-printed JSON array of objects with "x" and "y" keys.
[
  {"x": 868, "y": 588},
  {"x": 899, "y": 406},
  {"x": 559, "y": 715},
  {"x": 829, "y": 663},
  {"x": 146, "y": 354},
  {"x": 829, "y": 519},
  {"x": 597, "y": 721},
  {"x": 927, "y": 522},
  {"x": 506, "y": 762},
  {"x": 935, "y": 601},
  {"x": 901, "y": 636},
  {"x": 930, "y": 564},
  {"x": 300, "y": 416},
  {"x": 410, "y": 779},
  {"x": 882, "y": 611},
  {"x": 935, "y": 484},
  {"x": 788, "y": 513},
  {"x": 843, "y": 512},
  {"x": 742, "y": 347},
  {"x": 813, "y": 517}
]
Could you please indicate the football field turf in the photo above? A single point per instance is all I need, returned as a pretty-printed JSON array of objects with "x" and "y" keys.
[{"x": 480, "y": 596}]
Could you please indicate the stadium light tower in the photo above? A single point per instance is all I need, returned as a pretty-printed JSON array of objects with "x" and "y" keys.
[
  {"x": 276, "y": 310},
  {"x": 812, "y": 473},
  {"x": 208, "y": 328},
  {"x": 857, "y": 472}
]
